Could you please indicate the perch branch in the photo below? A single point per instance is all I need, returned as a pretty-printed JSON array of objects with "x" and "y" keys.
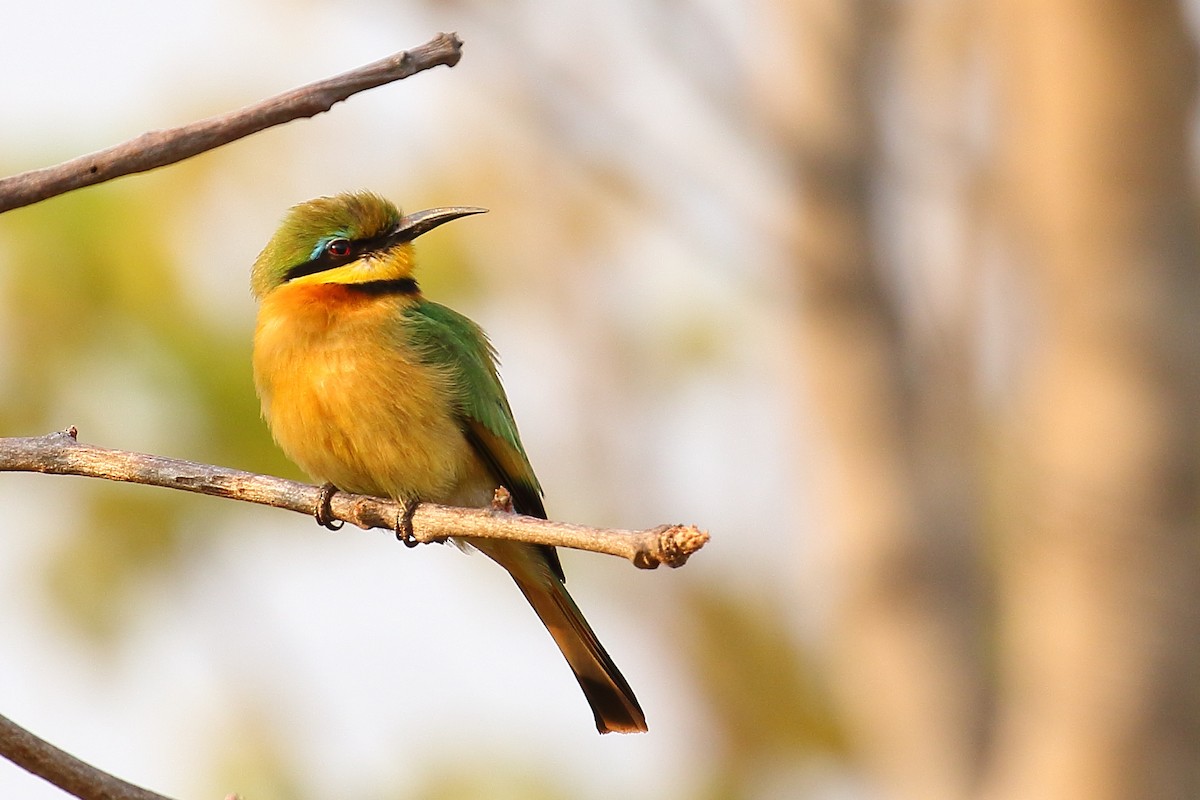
[
  {"x": 159, "y": 148},
  {"x": 61, "y": 453},
  {"x": 63, "y": 769}
]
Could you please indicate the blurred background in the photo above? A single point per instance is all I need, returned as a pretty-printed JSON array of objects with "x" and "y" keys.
[{"x": 900, "y": 300}]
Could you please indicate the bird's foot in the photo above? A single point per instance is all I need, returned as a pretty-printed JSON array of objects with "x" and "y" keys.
[
  {"x": 323, "y": 513},
  {"x": 502, "y": 500},
  {"x": 404, "y": 524}
]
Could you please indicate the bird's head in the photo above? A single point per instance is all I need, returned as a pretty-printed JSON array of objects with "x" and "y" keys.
[{"x": 356, "y": 237}]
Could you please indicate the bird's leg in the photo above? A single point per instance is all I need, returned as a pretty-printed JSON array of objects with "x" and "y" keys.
[
  {"x": 404, "y": 523},
  {"x": 323, "y": 513},
  {"x": 502, "y": 500}
]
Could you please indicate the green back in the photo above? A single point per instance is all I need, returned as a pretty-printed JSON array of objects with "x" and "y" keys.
[{"x": 451, "y": 341}]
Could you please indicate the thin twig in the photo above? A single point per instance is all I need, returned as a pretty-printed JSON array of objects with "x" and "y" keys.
[
  {"x": 61, "y": 453},
  {"x": 159, "y": 148},
  {"x": 63, "y": 769}
]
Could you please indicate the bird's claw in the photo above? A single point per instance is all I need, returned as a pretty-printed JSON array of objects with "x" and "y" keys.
[
  {"x": 502, "y": 500},
  {"x": 404, "y": 524},
  {"x": 323, "y": 512}
]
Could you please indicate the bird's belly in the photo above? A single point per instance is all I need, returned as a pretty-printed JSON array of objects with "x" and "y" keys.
[{"x": 367, "y": 418}]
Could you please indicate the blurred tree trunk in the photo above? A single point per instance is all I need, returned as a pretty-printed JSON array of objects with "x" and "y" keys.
[
  {"x": 897, "y": 425},
  {"x": 1102, "y": 649},
  {"x": 1099, "y": 655}
]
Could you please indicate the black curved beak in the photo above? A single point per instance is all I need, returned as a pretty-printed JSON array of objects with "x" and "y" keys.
[{"x": 413, "y": 225}]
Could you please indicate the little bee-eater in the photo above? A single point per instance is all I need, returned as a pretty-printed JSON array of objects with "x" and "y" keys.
[{"x": 372, "y": 388}]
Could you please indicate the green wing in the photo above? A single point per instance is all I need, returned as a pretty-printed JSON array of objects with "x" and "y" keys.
[{"x": 451, "y": 341}]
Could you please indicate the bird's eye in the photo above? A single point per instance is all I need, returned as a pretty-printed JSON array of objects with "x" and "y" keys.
[{"x": 338, "y": 247}]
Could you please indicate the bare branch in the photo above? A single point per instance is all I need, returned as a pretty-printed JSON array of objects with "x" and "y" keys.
[
  {"x": 159, "y": 148},
  {"x": 63, "y": 769},
  {"x": 61, "y": 454}
]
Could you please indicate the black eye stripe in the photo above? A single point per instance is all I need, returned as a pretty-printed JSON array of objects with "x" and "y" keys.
[{"x": 326, "y": 260}]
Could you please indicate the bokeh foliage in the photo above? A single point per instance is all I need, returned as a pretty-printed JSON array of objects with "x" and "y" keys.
[{"x": 102, "y": 336}]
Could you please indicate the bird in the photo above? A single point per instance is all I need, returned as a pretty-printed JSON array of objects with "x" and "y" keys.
[{"x": 371, "y": 388}]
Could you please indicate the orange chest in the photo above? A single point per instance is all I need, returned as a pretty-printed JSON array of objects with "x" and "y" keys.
[
  {"x": 324, "y": 340},
  {"x": 349, "y": 399}
]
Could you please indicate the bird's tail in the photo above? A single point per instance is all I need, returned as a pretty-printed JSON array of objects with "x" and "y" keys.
[{"x": 612, "y": 701}]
